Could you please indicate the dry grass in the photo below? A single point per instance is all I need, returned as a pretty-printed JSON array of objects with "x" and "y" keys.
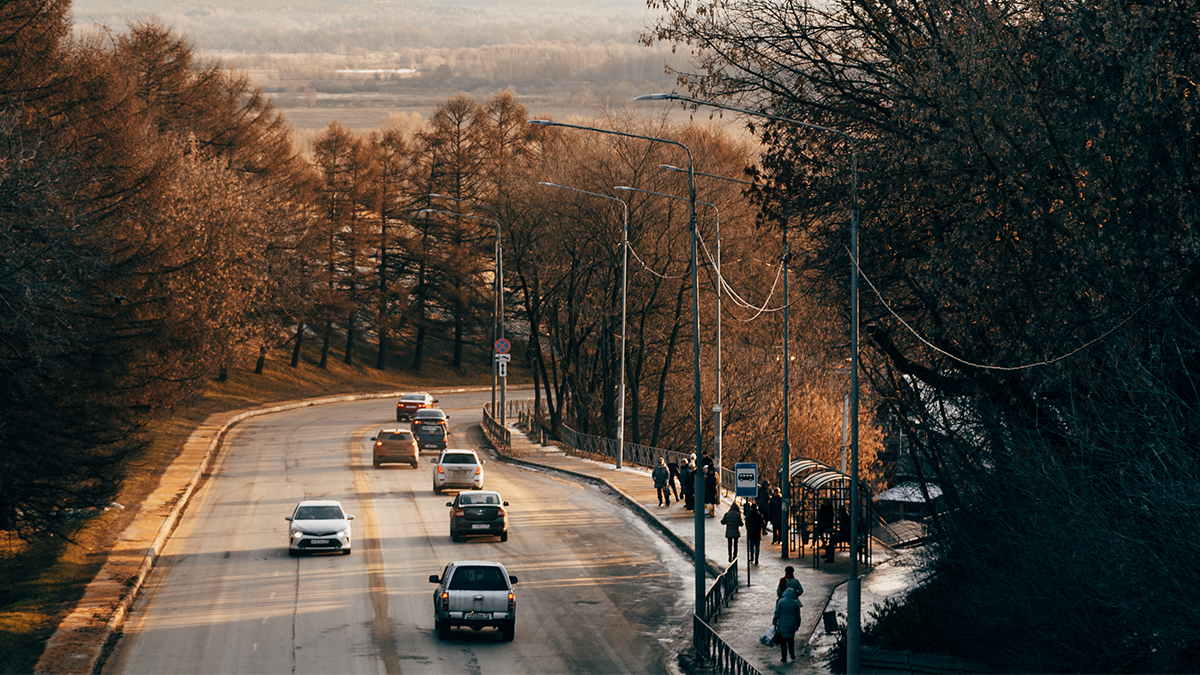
[{"x": 41, "y": 581}]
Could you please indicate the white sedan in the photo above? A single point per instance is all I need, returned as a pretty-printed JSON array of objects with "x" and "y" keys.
[{"x": 319, "y": 525}]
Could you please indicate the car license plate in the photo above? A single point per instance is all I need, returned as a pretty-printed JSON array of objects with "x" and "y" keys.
[
  {"x": 318, "y": 542},
  {"x": 480, "y": 526},
  {"x": 478, "y": 615}
]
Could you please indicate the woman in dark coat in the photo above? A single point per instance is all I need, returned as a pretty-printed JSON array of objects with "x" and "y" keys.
[
  {"x": 754, "y": 530},
  {"x": 775, "y": 513}
]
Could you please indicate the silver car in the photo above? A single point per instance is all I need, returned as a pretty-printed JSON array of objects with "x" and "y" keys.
[
  {"x": 319, "y": 525},
  {"x": 456, "y": 468},
  {"x": 477, "y": 594}
]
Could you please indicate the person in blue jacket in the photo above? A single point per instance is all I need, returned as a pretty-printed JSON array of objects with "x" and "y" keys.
[{"x": 787, "y": 622}]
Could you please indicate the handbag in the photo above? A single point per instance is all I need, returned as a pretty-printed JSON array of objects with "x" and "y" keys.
[{"x": 768, "y": 636}]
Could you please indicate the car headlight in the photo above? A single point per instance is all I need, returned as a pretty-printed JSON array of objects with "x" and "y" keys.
[
  {"x": 343, "y": 533},
  {"x": 296, "y": 534}
]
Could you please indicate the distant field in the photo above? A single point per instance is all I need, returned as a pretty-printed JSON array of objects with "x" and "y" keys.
[{"x": 361, "y": 61}]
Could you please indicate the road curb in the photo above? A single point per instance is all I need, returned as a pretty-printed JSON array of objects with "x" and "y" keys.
[{"x": 710, "y": 567}]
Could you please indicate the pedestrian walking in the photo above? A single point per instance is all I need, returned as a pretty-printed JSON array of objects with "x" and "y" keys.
[
  {"x": 787, "y": 622},
  {"x": 732, "y": 520},
  {"x": 763, "y": 496},
  {"x": 673, "y": 470},
  {"x": 710, "y": 491},
  {"x": 789, "y": 580},
  {"x": 660, "y": 476},
  {"x": 754, "y": 531},
  {"x": 775, "y": 514}
]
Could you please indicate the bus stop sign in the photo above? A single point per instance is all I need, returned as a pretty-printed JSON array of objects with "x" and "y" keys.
[{"x": 745, "y": 479}]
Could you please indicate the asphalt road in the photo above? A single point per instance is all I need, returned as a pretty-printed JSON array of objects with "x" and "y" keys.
[{"x": 599, "y": 591}]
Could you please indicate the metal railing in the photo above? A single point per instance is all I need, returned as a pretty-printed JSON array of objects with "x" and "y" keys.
[
  {"x": 499, "y": 434},
  {"x": 723, "y": 588},
  {"x": 720, "y": 657},
  {"x": 640, "y": 455}
]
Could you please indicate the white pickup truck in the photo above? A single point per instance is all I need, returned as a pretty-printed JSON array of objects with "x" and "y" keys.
[{"x": 474, "y": 593}]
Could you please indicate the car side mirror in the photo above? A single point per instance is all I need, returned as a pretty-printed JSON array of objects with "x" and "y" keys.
[
  {"x": 349, "y": 516},
  {"x": 435, "y": 579},
  {"x": 374, "y": 438},
  {"x": 288, "y": 518},
  {"x": 449, "y": 503},
  {"x": 435, "y": 400},
  {"x": 512, "y": 579},
  {"x": 506, "y": 503}
]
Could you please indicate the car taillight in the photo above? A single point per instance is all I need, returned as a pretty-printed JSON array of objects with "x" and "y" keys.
[
  {"x": 458, "y": 513},
  {"x": 446, "y": 601},
  {"x": 379, "y": 444},
  {"x": 500, "y": 513},
  {"x": 512, "y": 602},
  {"x": 478, "y": 470},
  {"x": 441, "y": 469}
]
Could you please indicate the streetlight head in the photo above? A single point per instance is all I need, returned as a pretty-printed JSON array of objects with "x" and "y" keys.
[
  {"x": 543, "y": 123},
  {"x": 657, "y": 97},
  {"x": 623, "y": 187},
  {"x": 671, "y": 168}
]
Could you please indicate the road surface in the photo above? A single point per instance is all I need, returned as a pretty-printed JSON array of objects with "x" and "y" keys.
[{"x": 599, "y": 591}]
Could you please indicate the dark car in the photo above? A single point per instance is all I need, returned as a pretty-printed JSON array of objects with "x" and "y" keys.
[
  {"x": 478, "y": 513},
  {"x": 409, "y": 404},
  {"x": 432, "y": 437},
  {"x": 428, "y": 417}
]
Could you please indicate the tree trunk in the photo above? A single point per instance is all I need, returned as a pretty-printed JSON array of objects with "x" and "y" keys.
[
  {"x": 296, "y": 348},
  {"x": 325, "y": 345}
]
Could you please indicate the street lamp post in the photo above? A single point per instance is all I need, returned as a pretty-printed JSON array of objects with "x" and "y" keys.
[
  {"x": 497, "y": 300},
  {"x": 699, "y": 481},
  {"x": 624, "y": 292},
  {"x": 853, "y": 586},
  {"x": 717, "y": 265}
]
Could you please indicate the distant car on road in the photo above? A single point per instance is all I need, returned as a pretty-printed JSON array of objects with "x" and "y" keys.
[
  {"x": 432, "y": 437},
  {"x": 474, "y": 593},
  {"x": 457, "y": 468},
  {"x": 319, "y": 525},
  {"x": 478, "y": 513},
  {"x": 428, "y": 417},
  {"x": 395, "y": 446},
  {"x": 409, "y": 404}
]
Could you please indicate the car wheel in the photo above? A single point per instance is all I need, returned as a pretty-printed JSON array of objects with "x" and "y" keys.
[
  {"x": 443, "y": 630},
  {"x": 414, "y": 464},
  {"x": 345, "y": 551},
  {"x": 293, "y": 552},
  {"x": 508, "y": 631},
  {"x": 437, "y": 490},
  {"x": 455, "y": 536},
  {"x": 504, "y": 536},
  {"x": 375, "y": 463}
]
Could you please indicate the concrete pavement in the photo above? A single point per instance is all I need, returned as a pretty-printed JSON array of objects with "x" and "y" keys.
[{"x": 750, "y": 610}]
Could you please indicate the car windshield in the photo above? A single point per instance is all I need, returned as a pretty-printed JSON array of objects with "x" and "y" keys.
[
  {"x": 478, "y": 579},
  {"x": 413, "y": 397},
  {"x": 435, "y": 431},
  {"x": 318, "y": 513},
  {"x": 428, "y": 414},
  {"x": 399, "y": 436},
  {"x": 479, "y": 499},
  {"x": 458, "y": 459}
]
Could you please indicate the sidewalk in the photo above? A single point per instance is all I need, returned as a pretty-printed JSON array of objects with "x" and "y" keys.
[{"x": 750, "y": 610}]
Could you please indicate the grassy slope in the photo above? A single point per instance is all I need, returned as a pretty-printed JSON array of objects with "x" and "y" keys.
[{"x": 40, "y": 583}]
